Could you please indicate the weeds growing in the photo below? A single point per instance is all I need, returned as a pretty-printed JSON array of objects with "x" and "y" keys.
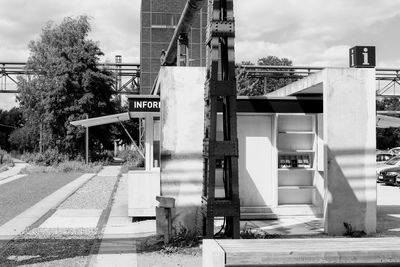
[
  {"x": 248, "y": 233},
  {"x": 66, "y": 166}
]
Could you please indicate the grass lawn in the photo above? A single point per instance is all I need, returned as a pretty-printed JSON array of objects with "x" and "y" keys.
[{"x": 23, "y": 193}]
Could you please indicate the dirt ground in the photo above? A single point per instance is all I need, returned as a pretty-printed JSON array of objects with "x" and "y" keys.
[{"x": 190, "y": 257}]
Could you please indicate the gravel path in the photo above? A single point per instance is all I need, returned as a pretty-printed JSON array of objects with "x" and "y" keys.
[
  {"x": 61, "y": 233},
  {"x": 63, "y": 246},
  {"x": 21, "y": 194},
  {"x": 95, "y": 194}
]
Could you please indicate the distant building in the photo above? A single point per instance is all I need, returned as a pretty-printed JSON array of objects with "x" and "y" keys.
[{"x": 158, "y": 21}]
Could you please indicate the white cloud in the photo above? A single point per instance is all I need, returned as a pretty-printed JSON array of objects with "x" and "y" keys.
[
  {"x": 315, "y": 32},
  {"x": 310, "y": 32}
]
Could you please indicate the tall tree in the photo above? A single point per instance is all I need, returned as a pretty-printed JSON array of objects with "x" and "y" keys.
[
  {"x": 9, "y": 121},
  {"x": 66, "y": 85},
  {"x": 252, "y": 86},
  {"x": 387, "y": 137}
]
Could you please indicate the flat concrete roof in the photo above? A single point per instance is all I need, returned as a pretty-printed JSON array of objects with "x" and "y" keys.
[
  {"x": 102, "y": 120},
  {"x": 310, "y": 85}
]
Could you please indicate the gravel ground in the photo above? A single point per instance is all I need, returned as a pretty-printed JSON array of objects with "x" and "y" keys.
[
  {"x": 21, "y": 194},
  {"x": 95, "y": 194},
  {"x": 69, "y": 247},
  {"x": 61, "y": 246},
  {"x": 61, "y": 233},
  {"x": 46, "y": 252},
  {"x": 190, "y": 257}
]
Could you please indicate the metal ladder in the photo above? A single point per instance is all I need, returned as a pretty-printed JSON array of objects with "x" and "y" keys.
[{"x": 220, "y": 89}]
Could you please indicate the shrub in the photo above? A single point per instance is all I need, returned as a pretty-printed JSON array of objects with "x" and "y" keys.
[
  {"x": 5, "y": 159},
  {"x": 132, "y": 158},
  {"x": 66, "y": 166},
  {"x": 183, "y": 238},
  {"x": 351, "y": 231},
  {"x": 248, "y": 233},
  {"x": 48, "y": 158},
  {"x": 78, "y": 166},
  {"x": 104, "y": 156}
]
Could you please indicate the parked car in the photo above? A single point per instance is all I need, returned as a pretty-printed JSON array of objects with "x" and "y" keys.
[
  {"x": 395, "y": 151},
  {"x": 383, "y": 156},
  {"x": 389, "y": 176},
  {"x": 393, "y": 162}
]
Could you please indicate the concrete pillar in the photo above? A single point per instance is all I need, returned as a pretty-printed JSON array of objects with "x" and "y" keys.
[
  {"x": 349, "y": 141},
  {"x": 182, "y": 126},
  {"x": 148, "y": 142}
]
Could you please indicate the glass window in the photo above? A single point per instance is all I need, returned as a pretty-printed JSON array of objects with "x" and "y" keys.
[{"x": 156, "y": 142}]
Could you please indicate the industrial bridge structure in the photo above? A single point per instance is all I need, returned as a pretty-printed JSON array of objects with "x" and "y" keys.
[{"x": 126, "y": 76}]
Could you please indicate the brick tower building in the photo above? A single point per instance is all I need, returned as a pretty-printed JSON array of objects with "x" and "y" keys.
[{"x": 158, "y": 21}]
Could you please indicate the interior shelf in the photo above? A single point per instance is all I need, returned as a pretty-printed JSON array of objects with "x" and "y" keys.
[
  {"x": 296, "y": 151},
  {"x": 296, "y": 132},
  {"x": 296, "y": 142},
  {"x": 296, "y": 169},
  {"x": 296, "y": 187}
]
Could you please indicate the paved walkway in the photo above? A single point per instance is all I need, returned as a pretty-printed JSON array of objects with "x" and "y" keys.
[
  {"x": 119, "y": 236},
  {"x": 12, "y": 172},
  {"x": 118, "y": 246},
  {"x": 20, "y": 223},
  {"x": 388, "y": 218}
]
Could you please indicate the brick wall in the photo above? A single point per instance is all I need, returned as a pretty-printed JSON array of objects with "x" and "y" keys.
[{"x": 155, "y": 37}]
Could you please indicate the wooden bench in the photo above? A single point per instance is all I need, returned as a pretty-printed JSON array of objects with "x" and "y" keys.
[{"x": 303, "y": 252}]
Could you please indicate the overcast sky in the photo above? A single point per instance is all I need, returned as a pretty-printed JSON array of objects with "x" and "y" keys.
[{"x": 309, "y": 32}]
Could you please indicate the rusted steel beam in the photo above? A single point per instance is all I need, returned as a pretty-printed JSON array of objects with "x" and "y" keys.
[{"x": 189, "y": 13}]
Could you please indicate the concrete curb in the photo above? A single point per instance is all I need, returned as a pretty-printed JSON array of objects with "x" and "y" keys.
[
  {"x": 31, "y": 216},
  {"x": 13, "y": 171},
  {"x": 102, "y": 225},
  {"x": 11, "y": 178}
]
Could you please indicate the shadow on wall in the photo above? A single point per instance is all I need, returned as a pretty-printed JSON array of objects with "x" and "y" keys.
[
  {"x": 351, "y": 190},
  {"x": 182, "y": 179}
]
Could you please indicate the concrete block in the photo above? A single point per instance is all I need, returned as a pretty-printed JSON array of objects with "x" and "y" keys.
[{"x": 182, "y": 116}]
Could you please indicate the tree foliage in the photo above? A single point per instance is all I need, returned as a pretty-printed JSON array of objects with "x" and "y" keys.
[
  {"x": 251, "y": 86},
  {"x": 9, "y": 121},
  {"x": 66, "y": 85},
  {"x": 388, "y": 137}
]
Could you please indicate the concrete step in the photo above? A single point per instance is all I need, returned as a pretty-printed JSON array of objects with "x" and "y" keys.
[
  {"x": 296, "y": 209},
  {"x": 257, "y": 213},
  {"x": 258, "y": 216}
]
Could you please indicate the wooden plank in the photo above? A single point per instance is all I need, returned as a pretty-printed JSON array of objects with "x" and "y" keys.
[
  {"x": 213, "y": 254},
  {"x": 275, "y": 252}
]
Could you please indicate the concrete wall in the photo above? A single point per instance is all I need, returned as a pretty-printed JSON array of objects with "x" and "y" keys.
[
  {"x": 182, "y": 126},
  {"x": 349, "y": 138},
  {"x": 257, "y": 181}
]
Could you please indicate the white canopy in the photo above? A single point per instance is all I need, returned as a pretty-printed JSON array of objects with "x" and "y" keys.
[
  {"x": 383, "y": 121},
  {"x": 102, "y": 120}
]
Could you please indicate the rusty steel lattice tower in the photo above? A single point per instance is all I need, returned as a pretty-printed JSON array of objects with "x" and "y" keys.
[{"x": 220, "y": 89}]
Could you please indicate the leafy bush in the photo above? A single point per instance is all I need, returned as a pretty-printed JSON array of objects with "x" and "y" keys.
[
  {"x": 183, "y": 239},
  {"x": 78, "y": 166},
  {"x": 5, "y": 160},
  {"x": 48, "y": 158},
  {"x": 104, "y": 156},
  {"x": 66, "y": 166},
  {"x": 248, "y": 233},
  {"x": 132, "y": 158},
  {"x": 351, "y": 231}
]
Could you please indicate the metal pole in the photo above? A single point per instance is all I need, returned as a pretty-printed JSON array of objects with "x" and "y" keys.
[
  {"x": 87, "y": 142},
  {"x": 185, "y": 22}
]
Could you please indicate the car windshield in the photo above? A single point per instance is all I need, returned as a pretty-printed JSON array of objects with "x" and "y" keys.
[{"x": 393, "y": 161}]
